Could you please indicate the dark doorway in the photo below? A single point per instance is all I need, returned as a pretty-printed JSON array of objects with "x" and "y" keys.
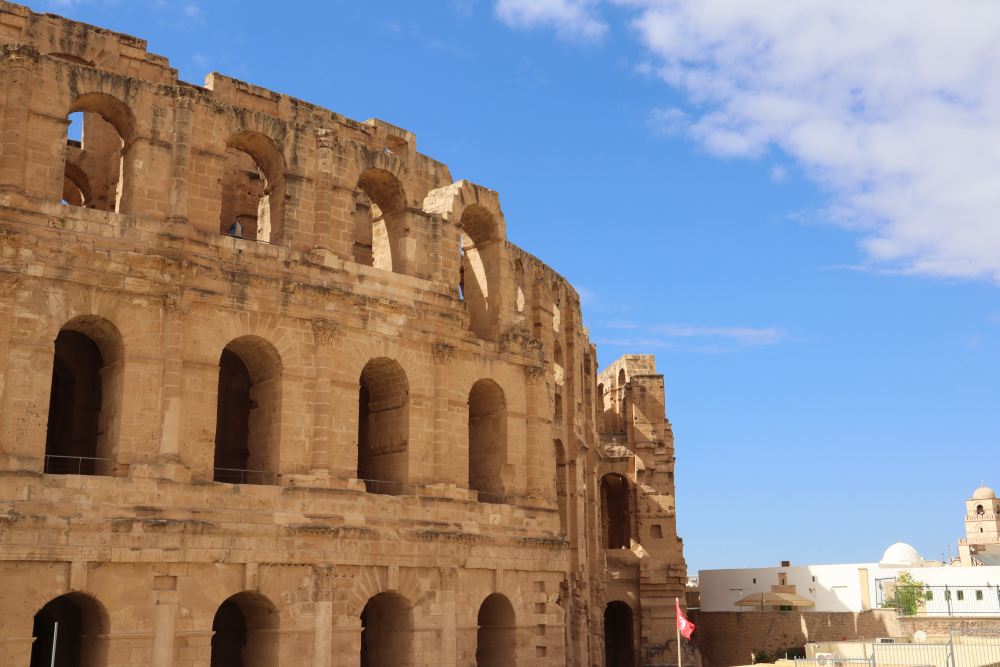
[
  {"x": 232, "y": 431},
  {"x": 240, "y": 632},
  {"x": 618, "y": 638},
  {"x": 615, "y": 511},
  {"x": 496, "y": 641},
  {"x": 386, "y": 632},
  {"x": 78, "y": 635}
]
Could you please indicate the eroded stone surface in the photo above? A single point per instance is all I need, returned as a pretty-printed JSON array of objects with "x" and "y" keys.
[{"x": 357, "y": 427}]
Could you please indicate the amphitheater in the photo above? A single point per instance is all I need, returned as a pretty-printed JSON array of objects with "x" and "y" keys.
[{"x": 277, "y": 390}]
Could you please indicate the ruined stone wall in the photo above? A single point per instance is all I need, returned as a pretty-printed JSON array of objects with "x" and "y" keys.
[{"x": 356, "y": 330}]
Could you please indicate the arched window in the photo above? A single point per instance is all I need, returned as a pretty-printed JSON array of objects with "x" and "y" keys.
[
  {"x": 487, "y": 440},
  {"x": 80, "y": 639},
  {"x": 480, "y": 269},
  {"x": 380, "y": 221},
  {"x": 98, "y": 164},
  {"x": 253, "y": 188},
  {"x": 562, "y": 471},
  {"x": 85, "y": 398},
  {"x": 980, "y": 510},
  {"x": 248, "y": 413},
  {"x": 619, "y": 650},
  {"x": 386, "y": 632},
  {"x": 616, "y": 511},
  {"x": 383, "y": 426},
  {"x": 496, "y": 638},
  {"x": 244, "y": 632}
]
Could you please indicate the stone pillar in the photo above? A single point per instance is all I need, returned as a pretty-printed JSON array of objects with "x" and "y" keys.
[
  {"x": 449, "y": 610},
  {"x": 170, "y": 410},
  {"x": 323, "y": 637},
  {"x": 9, "y": 284},
  {"x": 539, "y": 442},
  {"x": 180, "y": 158},
  {"x": 18, "y": 76},
  {"x": 322, "y": 227},
  {"x": 445, "y": 429},
  {"x": 324, "y": 332},
  {"x": 164, "y": 623}
]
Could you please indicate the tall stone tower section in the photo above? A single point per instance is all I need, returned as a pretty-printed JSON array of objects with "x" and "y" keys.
[{"x": 642, "y": 556}]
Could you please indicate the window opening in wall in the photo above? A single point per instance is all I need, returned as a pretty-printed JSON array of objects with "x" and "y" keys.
[
  {"x": 84, "y": 399},
  {"x": 960, "y": 595},
  {"x": 930, "y": 595},
  {"x": 383, "y": 426},
  {"x": 98, "y": 153},
  {"x": 979, "y": 595},
  {"x": 619, "y": 639},
  {"x": 657, "y": 532},
  {"x": 386, "y": 632},
  {"x": 248, "y": 413},
  {"x": 80, "y": 639},
  {"x": 380, "y": 221},
  {"x": 980, "y": 510},
  {"x": 244, "y": 632},
  {"x": 616, "y": 511},
  {"x": 479, "y": 275},
  {"x": 487, "y": 440},
  {"x": 495, "y": 639}
]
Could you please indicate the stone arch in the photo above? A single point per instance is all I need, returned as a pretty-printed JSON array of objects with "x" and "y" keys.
[
  {"x": 479, "y": 276},
  {"x": 616, "y": 511},
  {"x": 383, "y": 426},
  {"x": 248, "y": 412},
  {"x": 387, "y": 631},
  {"x": 496, "y": 633},
  {"x": 254, "y": 186},
  {"x": 487, "y": 440},
  {"x": 104, "y": 158},
  {"x": 243, "y": 632},
  {"x": 85, "y": 399},
  {"x": 76, "y": 186},
  {"x": 380, "y": 221},
  {"x": 619, "y": 635},
  {"x": 81, "y": 637}
]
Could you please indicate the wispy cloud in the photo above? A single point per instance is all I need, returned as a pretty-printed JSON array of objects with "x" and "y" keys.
[
  {"x": 892, "y": 106},
  {"x": 694, "y": 337},
  {"x": 571, "y": 19}
]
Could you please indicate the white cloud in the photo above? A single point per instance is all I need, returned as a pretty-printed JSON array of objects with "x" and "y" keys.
[
  {"x": 569, "y": 18},
  {"x": 704, "y": 338},
  {"x": 893, "y": 106}
]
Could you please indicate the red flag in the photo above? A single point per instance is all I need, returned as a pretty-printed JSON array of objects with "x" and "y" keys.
[{"x": 685, "y": 626}]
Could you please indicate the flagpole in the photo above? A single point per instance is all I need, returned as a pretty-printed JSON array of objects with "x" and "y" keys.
[{"x": 677, "y": 625}]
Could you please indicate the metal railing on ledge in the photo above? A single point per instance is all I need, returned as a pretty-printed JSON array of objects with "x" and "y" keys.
[
  {"x": 56, "y": 464},
  {"x": 926, "y": 600},
  {"x": 383, "y": 486},
  {"x": 241, "y": 476}
]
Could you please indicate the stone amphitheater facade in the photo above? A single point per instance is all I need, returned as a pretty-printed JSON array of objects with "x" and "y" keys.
[{"x": 276, "y": 390}]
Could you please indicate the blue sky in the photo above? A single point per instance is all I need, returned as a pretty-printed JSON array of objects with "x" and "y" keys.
[{"x": 794, "y": 209}]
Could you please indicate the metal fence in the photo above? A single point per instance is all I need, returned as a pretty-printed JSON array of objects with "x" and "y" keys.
[
  {"x": 971, "y": 600},
  {"x": 240, "y": 476},
  {"x": 959, "y": 650},
  {"x": 383, "y": 486},
  {"x": 76, "y": 465}
]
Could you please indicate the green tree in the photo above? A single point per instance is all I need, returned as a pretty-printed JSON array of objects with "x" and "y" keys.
[{"x": 908, "y": 595}]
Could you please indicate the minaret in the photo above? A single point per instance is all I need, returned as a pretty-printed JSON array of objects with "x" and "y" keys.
[{"x": 982, "y": 524}]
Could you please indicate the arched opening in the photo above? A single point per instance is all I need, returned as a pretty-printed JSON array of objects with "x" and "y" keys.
[
  {"x": 383, "y": 426},
  {"x": 616, "y": 518},
  {"x": 480, "y": 269},
  {"x": 379, "y": 221},
  {"x": 69, "y": 631},
  {"x": 619, "y": 641},
  {"x": 243, "y": 632},
  {"x": 253, "y": 188},
  {"x": 84, "y": 399},
  {"x": 561, "y": 485},
  {"x": 487, "y": 440},
  {"x": 621, "y": 380},
  {"x": 496, "y": 637},
  {"x": 248, "y": 413},
  {"x": 980, "y": 509},
  {"x": 99, "y": 139},
  {"x": 386, "y": 632}
]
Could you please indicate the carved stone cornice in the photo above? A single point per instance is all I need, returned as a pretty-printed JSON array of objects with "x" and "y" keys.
[
  {"x": 324, "y": 331},
  {"x": 443, "y": 352}
]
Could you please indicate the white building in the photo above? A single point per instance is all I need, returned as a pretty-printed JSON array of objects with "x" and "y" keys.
[{"x": 972, "y": 588}]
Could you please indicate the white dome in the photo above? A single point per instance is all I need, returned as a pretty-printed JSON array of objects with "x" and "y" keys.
[
  {"x": 901, "y": 553},
  {"x": 984, "y": 493}
]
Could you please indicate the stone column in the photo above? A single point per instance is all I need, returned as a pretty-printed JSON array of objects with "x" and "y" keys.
[
  {"x": 164, "y": 623},
  {"x": 539, "y": 442},
  {"x": 18, "y": 76},
  {"x": 9, "y": 284},
  {"x": 324, "y": 332},
  {"x": 322, "y": 228},
  {"x": 180, "y": 158},
  {"x": 445, "y": 412},
  {"x": 170, "y": 410},
  {"x": 449, "y": 636}
]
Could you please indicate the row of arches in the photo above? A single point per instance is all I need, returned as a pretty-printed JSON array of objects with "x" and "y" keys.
[
  {"x": 99, "y": 171},
  {"x": 71, "y": 631},
  {"x": 86, "y": 394}
]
